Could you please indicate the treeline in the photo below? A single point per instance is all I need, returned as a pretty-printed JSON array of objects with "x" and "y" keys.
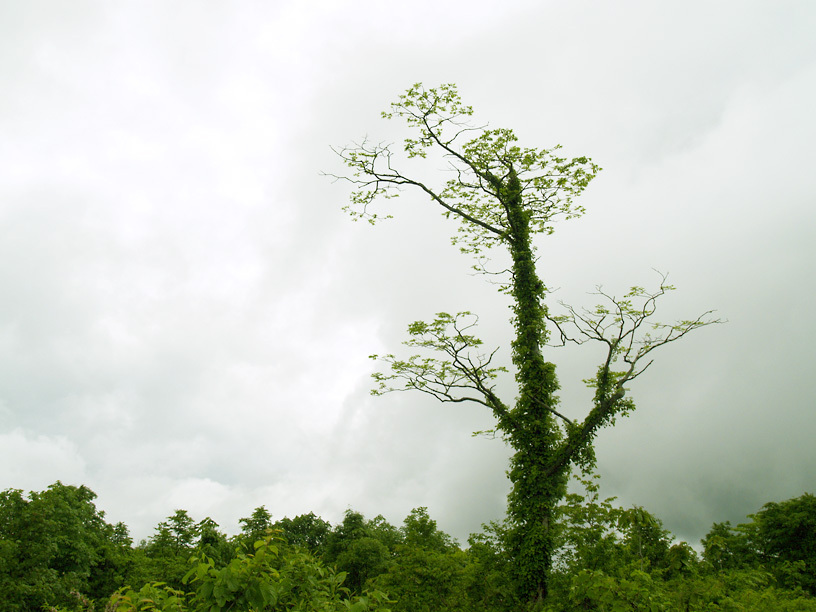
[{"x": 57, "y": 552}]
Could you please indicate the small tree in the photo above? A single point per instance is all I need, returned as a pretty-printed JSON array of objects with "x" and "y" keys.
[
  {"x": 56, "y": 548},
  {"x": 504, "y": 195},
  {"x": 254, "y": 527}
]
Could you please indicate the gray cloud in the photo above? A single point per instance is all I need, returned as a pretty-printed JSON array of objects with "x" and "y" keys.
[{"x": 187, "y": 313}]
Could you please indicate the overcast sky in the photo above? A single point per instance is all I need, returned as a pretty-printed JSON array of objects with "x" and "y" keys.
[{"x": 186, "y": 311}]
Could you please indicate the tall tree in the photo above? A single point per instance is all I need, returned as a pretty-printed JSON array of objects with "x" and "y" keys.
[{"x": 503, "y": 196}]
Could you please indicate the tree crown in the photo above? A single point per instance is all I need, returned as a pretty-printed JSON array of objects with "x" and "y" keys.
[{"x": 482, "y": 167}]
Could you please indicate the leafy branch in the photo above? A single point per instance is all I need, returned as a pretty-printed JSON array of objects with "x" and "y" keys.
[
  {"x": 465, "y": 375},
  {"x": 548, "y": 183}
]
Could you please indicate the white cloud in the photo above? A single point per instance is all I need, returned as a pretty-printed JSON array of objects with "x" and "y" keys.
[{"x": 32, "y": 462}]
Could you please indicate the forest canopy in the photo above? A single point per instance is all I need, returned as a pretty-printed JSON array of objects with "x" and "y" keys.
[{"x": 58, "y": 552}]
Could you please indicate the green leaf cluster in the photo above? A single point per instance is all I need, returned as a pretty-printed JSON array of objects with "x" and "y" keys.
[{"x": 272, "y": 577}]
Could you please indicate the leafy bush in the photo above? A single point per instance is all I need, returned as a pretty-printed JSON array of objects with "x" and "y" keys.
[{"x": 273, "y": 577}]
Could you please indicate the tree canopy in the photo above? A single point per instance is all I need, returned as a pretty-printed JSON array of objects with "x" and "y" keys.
[{"x": 607, "y": 557}]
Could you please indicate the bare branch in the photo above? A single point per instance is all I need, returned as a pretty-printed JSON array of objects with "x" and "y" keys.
[
  {"x": 617, "y": 324},
  {"x": 379, "y": 181}
]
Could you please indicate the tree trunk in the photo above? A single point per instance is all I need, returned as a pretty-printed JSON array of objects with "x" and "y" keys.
[{"x": 535, "y": 433}]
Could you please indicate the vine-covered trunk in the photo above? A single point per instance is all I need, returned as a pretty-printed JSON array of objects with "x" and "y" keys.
[{"x": 534, "y": 434}]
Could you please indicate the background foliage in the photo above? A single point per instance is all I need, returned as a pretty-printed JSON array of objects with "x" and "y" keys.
[{"x": 57, "y": 552}]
